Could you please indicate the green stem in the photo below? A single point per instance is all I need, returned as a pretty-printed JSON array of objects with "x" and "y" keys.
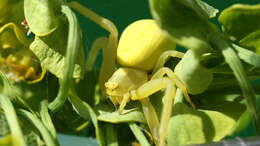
[
  {"x": 139, "y": 134},
  {"x": 46, "y": 119},
  {"x": 111, "y": 134},
  {"x": 70, "y": 58},
  {"x": 179, "y": 98},
  {"x": 12, "y": 120},
  {"x": 219, "y": 42},
  {"x": 86, "y": 112},
  {"x": 46, "y": 134}
]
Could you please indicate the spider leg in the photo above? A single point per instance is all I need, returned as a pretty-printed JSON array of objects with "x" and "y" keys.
[
  {"x": 166, "y": 112},
  {"x": 126, "y": 99},
  {"x": 152, "y": 118},
  {"x": 99, "y": 43},
  {"x": 109, "y": 53},
  {"x": 164, "y": 70},
  {"x": 150, "y": 88},
  {"x": 101, "y": 21},
  {"x": 164, "y": 57}
]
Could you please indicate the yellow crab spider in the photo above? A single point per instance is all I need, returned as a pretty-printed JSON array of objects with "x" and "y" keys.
[
  {"x": 140, "y": 46},
  {"x": 133, "y": 84},
  {"x": 132, "y": 81}
]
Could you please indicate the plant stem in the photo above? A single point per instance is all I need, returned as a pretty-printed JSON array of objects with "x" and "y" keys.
[
  {"x": 219, "y": 42},
  {"x": 12, "y": 120},
  {"x": 70, "y": 58},
  {"x": 85, "y": 111},
  {"x": 46, "y": 119},
  {"x": 179, "y": 97},
  {"x": 46, "y": 134},
  {"x": 139, "y": 134},
  {"x": 111, "y": 134}
]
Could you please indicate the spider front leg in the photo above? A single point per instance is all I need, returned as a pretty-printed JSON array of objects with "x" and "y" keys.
[
  {"x": 149, "y": 112},
  {"x": 109, "y": 52},
  {"x": 150, "y": 88}
]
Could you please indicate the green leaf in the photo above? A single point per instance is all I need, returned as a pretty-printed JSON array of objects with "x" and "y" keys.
[
  {"x": 240, "y": 20},
  {"x": 175, "y": 17},
  {"x": 51, "y": 52},
  {"x": 8, "y": 91},
  {"x": 188, "y": 126},
  {"x": 206, "y": 9},
  {"x": 220, "y": 43},
  {"x": 107, "y": 113},
  {"x": 64, "y": 124},
  {"x": 248, "y": 56},
  {"x": 190, "y": 72},
  {"x": 32, "y": 139},
  {"x": 42, "y": 16},
  {"x": 245, "y": 126},
  {"x": 30, "y": 133},
  {"x": 33, "y": 95},
  {"x": 4, "y": 128},
  {"x": 46, "y": 118},
  {"x": 48, "y": 138},
  {"x": 252, "y": 41},
  {"x": 86, "y": 111},
  {"x": 70, "y": 61},
  {"x": 139, "y": 134},
  {"x": 12, "y": 119}
]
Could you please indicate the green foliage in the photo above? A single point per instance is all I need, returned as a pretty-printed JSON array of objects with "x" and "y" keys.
[
  {"x": 232, "y": 54},
  {"x": 42, "y": 16},
  {"x": 175, "y": 16},
  {"x": 189, "y": 70},
  {"x": 107, "y": 113},
  {"x": 4, "y": 128},
  {"x": 237, "y": 19},
  {"x": 252, "y": 41},
  {"x": 139, "y": 134},
  {"x": 51, "y": 52},
  {"x": 245, "y": 34},
  {"x": 189, "y": 126}
]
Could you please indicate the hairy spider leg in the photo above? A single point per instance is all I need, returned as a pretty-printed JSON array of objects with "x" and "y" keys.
[
  {"x": 150, "y": 88},
  {"x": 109, "y": 53},
  {"x": 159, "y": 71},
  {"x": 99, "y": 43}
]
